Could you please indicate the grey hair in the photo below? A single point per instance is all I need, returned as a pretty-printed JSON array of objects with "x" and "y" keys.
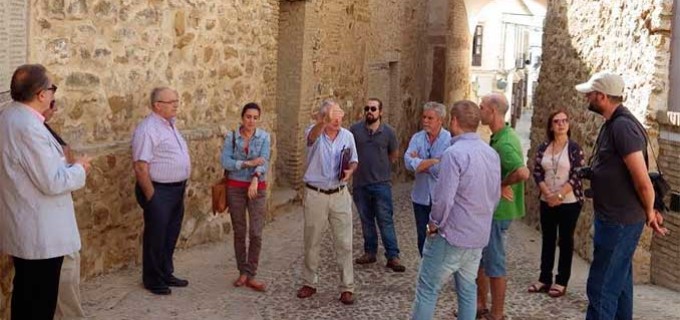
[
  {"x": 437, "y": 107},
  {"x": 325, "y": 105},
  {"x": 156, "y": 93},
  {"x": 499, "y": 102}
]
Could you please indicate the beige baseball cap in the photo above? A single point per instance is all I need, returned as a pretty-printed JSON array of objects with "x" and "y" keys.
[{"x": 606, "y": 82}]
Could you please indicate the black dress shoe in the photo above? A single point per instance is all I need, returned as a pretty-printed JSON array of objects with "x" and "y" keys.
[
  {"x": 163, "y": 291},
  {"x": 176, "y": 282}
]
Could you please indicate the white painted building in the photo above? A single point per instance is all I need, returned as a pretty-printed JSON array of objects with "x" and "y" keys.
[{"x": 506, "y": 49}]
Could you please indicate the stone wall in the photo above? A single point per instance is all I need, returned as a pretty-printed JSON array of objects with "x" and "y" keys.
[
  {"x": 398, "y": 66},
  {"x": 666, "y": 251},
  {"x": 666, "y": 255},
  {"x": 581, "y": 37},
  {"x": 348, "y": 50},
  {"x": 106, "y": 56},
  {"x": 323, "y": 54}
]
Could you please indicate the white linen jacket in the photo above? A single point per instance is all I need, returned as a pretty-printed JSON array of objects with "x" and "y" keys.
[{"x": 37, "y": 218}]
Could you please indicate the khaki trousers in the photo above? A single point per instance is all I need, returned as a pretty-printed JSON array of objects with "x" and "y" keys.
[
  {"x": 319, "y": 210},
  {"x": 68, "y": 301}
]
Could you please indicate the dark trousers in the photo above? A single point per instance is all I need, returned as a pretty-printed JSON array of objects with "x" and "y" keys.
[
  {"x": 36, "y": 287},
  {"x": 558, "y": 223},
  {"x": 250, "y": 225},
  {"x": 163, "y": 216},
  {"x": 374, "y": 204},
  {"x": 422, "y": 214}
]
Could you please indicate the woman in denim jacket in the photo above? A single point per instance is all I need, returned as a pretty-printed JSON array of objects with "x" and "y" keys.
[
  {"x": 561, "y": 201},
  {"x": 245, "y": 155}
]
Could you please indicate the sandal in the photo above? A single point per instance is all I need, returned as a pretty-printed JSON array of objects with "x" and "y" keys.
[
  {"x": 556, "y": 292},
  {"x": 240, "y": 281},
  {"x": 256, "y": 285},
  {"x": 538, "y": 287}
]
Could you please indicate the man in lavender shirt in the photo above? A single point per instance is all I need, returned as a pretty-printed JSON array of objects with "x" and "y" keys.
[
  {"x": 460, "y": 224},
  {"x": 162, "y": 167}
]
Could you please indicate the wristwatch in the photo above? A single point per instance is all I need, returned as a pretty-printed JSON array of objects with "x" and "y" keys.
[{"x": 560, "y": 196}]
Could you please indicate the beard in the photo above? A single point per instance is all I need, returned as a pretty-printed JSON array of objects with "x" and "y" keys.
[
  {"x": 370, "y": 119},
  {"x": 595, "y": 108}
]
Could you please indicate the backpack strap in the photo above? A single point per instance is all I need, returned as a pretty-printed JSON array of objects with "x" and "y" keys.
[{"x": 644, "y": 133}]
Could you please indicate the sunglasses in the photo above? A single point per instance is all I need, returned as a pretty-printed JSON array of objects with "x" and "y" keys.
[
  {"x": 372, "y": 109},
  {"x": 559, "y": 121}
]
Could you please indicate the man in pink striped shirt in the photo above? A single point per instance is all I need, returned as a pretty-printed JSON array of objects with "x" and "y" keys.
[{"x": 162, "y": 167}]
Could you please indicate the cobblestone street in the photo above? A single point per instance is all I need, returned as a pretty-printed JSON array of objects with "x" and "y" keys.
[{"x": 381, "y": 294}]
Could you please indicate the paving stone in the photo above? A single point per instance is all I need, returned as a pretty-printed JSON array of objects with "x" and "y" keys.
[{"x": 380, "y": 293}]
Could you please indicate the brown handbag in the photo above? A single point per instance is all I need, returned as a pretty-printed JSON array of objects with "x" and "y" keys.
[
  {"x": 219, "y": 196},
  {"x": 219, "y": 188}
]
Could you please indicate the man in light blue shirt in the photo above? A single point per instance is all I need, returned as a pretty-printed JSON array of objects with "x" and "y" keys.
[
  {"x": 466, "y": 194},
  {"x": 422, "y": 158},
  {"x": 327, "y": 199}
]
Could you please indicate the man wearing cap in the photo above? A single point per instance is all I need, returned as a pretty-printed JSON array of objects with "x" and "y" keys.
[
  {"x": 623, "y": 198},
  {"x": 378, "y": 148}
]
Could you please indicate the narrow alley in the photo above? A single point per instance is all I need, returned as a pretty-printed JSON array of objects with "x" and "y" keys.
[{"x": 381, "y": 294}]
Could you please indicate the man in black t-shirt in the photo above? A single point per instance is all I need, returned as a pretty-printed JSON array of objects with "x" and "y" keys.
[
  {"x": 377, "y": 149},
  {"x": 623, "y": 199}
]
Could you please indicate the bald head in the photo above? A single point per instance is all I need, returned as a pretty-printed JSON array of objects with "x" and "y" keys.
[{"x": 496, "y": 101}]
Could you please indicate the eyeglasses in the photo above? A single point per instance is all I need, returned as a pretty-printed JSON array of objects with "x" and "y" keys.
[
  {"x": 560, "y": 121},
  {"x": 52, "y": 88},
  {"x": 371, "y": 108},
  {"x": 169, "y": 102}
]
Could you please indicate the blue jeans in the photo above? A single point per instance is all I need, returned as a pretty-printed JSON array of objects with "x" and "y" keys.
[
  {"x": 422, "y": 214},
  {"x": 374, "y": 203},
  {"x": 610, "y": 281},
  {"x": 441, "y": 260}
]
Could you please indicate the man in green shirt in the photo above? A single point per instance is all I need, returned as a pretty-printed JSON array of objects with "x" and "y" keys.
[{"x": 505, "y": 141}]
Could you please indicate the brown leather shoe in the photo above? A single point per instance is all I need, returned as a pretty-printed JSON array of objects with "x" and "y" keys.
[
  {"x": 395, "y": 265},
  {"x": 306, "y": 292},
  {"x": 347, "y": 297},
  {"x": 256, "y": 285},
  {"x": 366, "y": 258}
]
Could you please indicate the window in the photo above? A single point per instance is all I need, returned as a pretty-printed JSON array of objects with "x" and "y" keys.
[{"x": 477, "y": 47}]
